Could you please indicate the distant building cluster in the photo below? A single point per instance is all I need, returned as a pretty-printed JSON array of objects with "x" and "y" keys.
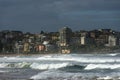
[{"x": 64, "y": 41}]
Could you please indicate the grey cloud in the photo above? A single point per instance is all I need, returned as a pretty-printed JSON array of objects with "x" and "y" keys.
[{"x": 52, "y": 14}]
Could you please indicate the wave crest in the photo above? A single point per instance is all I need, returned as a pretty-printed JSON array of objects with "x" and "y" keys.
[
  {"x": 102, "y": 66},
  {"x": 48, "y": 66}
]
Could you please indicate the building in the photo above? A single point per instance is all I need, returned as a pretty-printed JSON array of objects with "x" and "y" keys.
[
  {"x": 26, "y": 47},
  {"x": 85, "y": 38},
  {"x": 65, "y": 38},
  {"x": 94, "y": 33},
  {"x": 40, "y": 48},
  {"x": 103, "y": 37},
  {"x": 75, "y": 41},
  {"x": 112, "y": 41}
]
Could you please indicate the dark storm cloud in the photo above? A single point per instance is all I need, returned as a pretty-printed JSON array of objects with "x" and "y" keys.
[{"x": 50, "y": 15}]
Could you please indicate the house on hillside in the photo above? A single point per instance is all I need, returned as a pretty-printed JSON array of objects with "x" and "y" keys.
[
  {"x": 112, "y": 41},
  {"x": 85, "y": 38}
]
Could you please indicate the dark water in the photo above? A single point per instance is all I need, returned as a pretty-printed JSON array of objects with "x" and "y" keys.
[{"x": 17, "y": 73}]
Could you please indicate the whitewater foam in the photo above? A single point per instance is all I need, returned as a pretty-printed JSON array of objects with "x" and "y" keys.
[
  {"x": 36, "y": 65},
  {"x": 52, "y": 74},
  {"x": 102, "y": 66},
  {"x": 15, "y": 65},
  {"x": 105, "y": 78},
  {"x": 3, "y": 65},
  {"x": 83, "y": 59},
  {"x": 61, "y": 75},
  {"x": 48, "y": 66},
  {"x": 63, "y": 67},
  {"x": 112, "y": 54}
]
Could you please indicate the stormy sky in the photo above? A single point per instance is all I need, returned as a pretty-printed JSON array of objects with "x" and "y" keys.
[{"x": 51, "y": 15}]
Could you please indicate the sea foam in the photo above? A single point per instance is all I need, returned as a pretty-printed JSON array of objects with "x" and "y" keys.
[
  {"x": 15, "y": 65},
  {"x": 72, "y": 58},
  {"x": 48, "y": 66},
  {"x": 102, "y": 66},
  {"x": 53, "y": 74}
]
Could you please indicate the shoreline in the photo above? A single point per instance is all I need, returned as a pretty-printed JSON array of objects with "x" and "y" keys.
[
  {"x": 16, "y": 54},
  {"x": 47, "y": 53}
]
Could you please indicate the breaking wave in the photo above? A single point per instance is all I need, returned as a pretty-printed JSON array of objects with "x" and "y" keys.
[
  {"x": 38, "y": 65},
  {"x": 102, "y": 66},
  {"x": 113, "y": 54},
  {"x": 68, "y": 66},
  {"x": 42, "y": 66},
  {"x": 61, "y": 75},
  {"x": 61, "y": 66},
  {"x": 15, "y": 65},
  {"x": 108, "y": 58},
  {"x": 48, "y": 66}
]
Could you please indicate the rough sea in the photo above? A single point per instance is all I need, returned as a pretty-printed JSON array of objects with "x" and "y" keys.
[{"x": 61, "y": 67}]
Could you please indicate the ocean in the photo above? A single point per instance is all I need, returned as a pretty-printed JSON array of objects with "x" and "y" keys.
[{"x": 61, "y": 67}]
